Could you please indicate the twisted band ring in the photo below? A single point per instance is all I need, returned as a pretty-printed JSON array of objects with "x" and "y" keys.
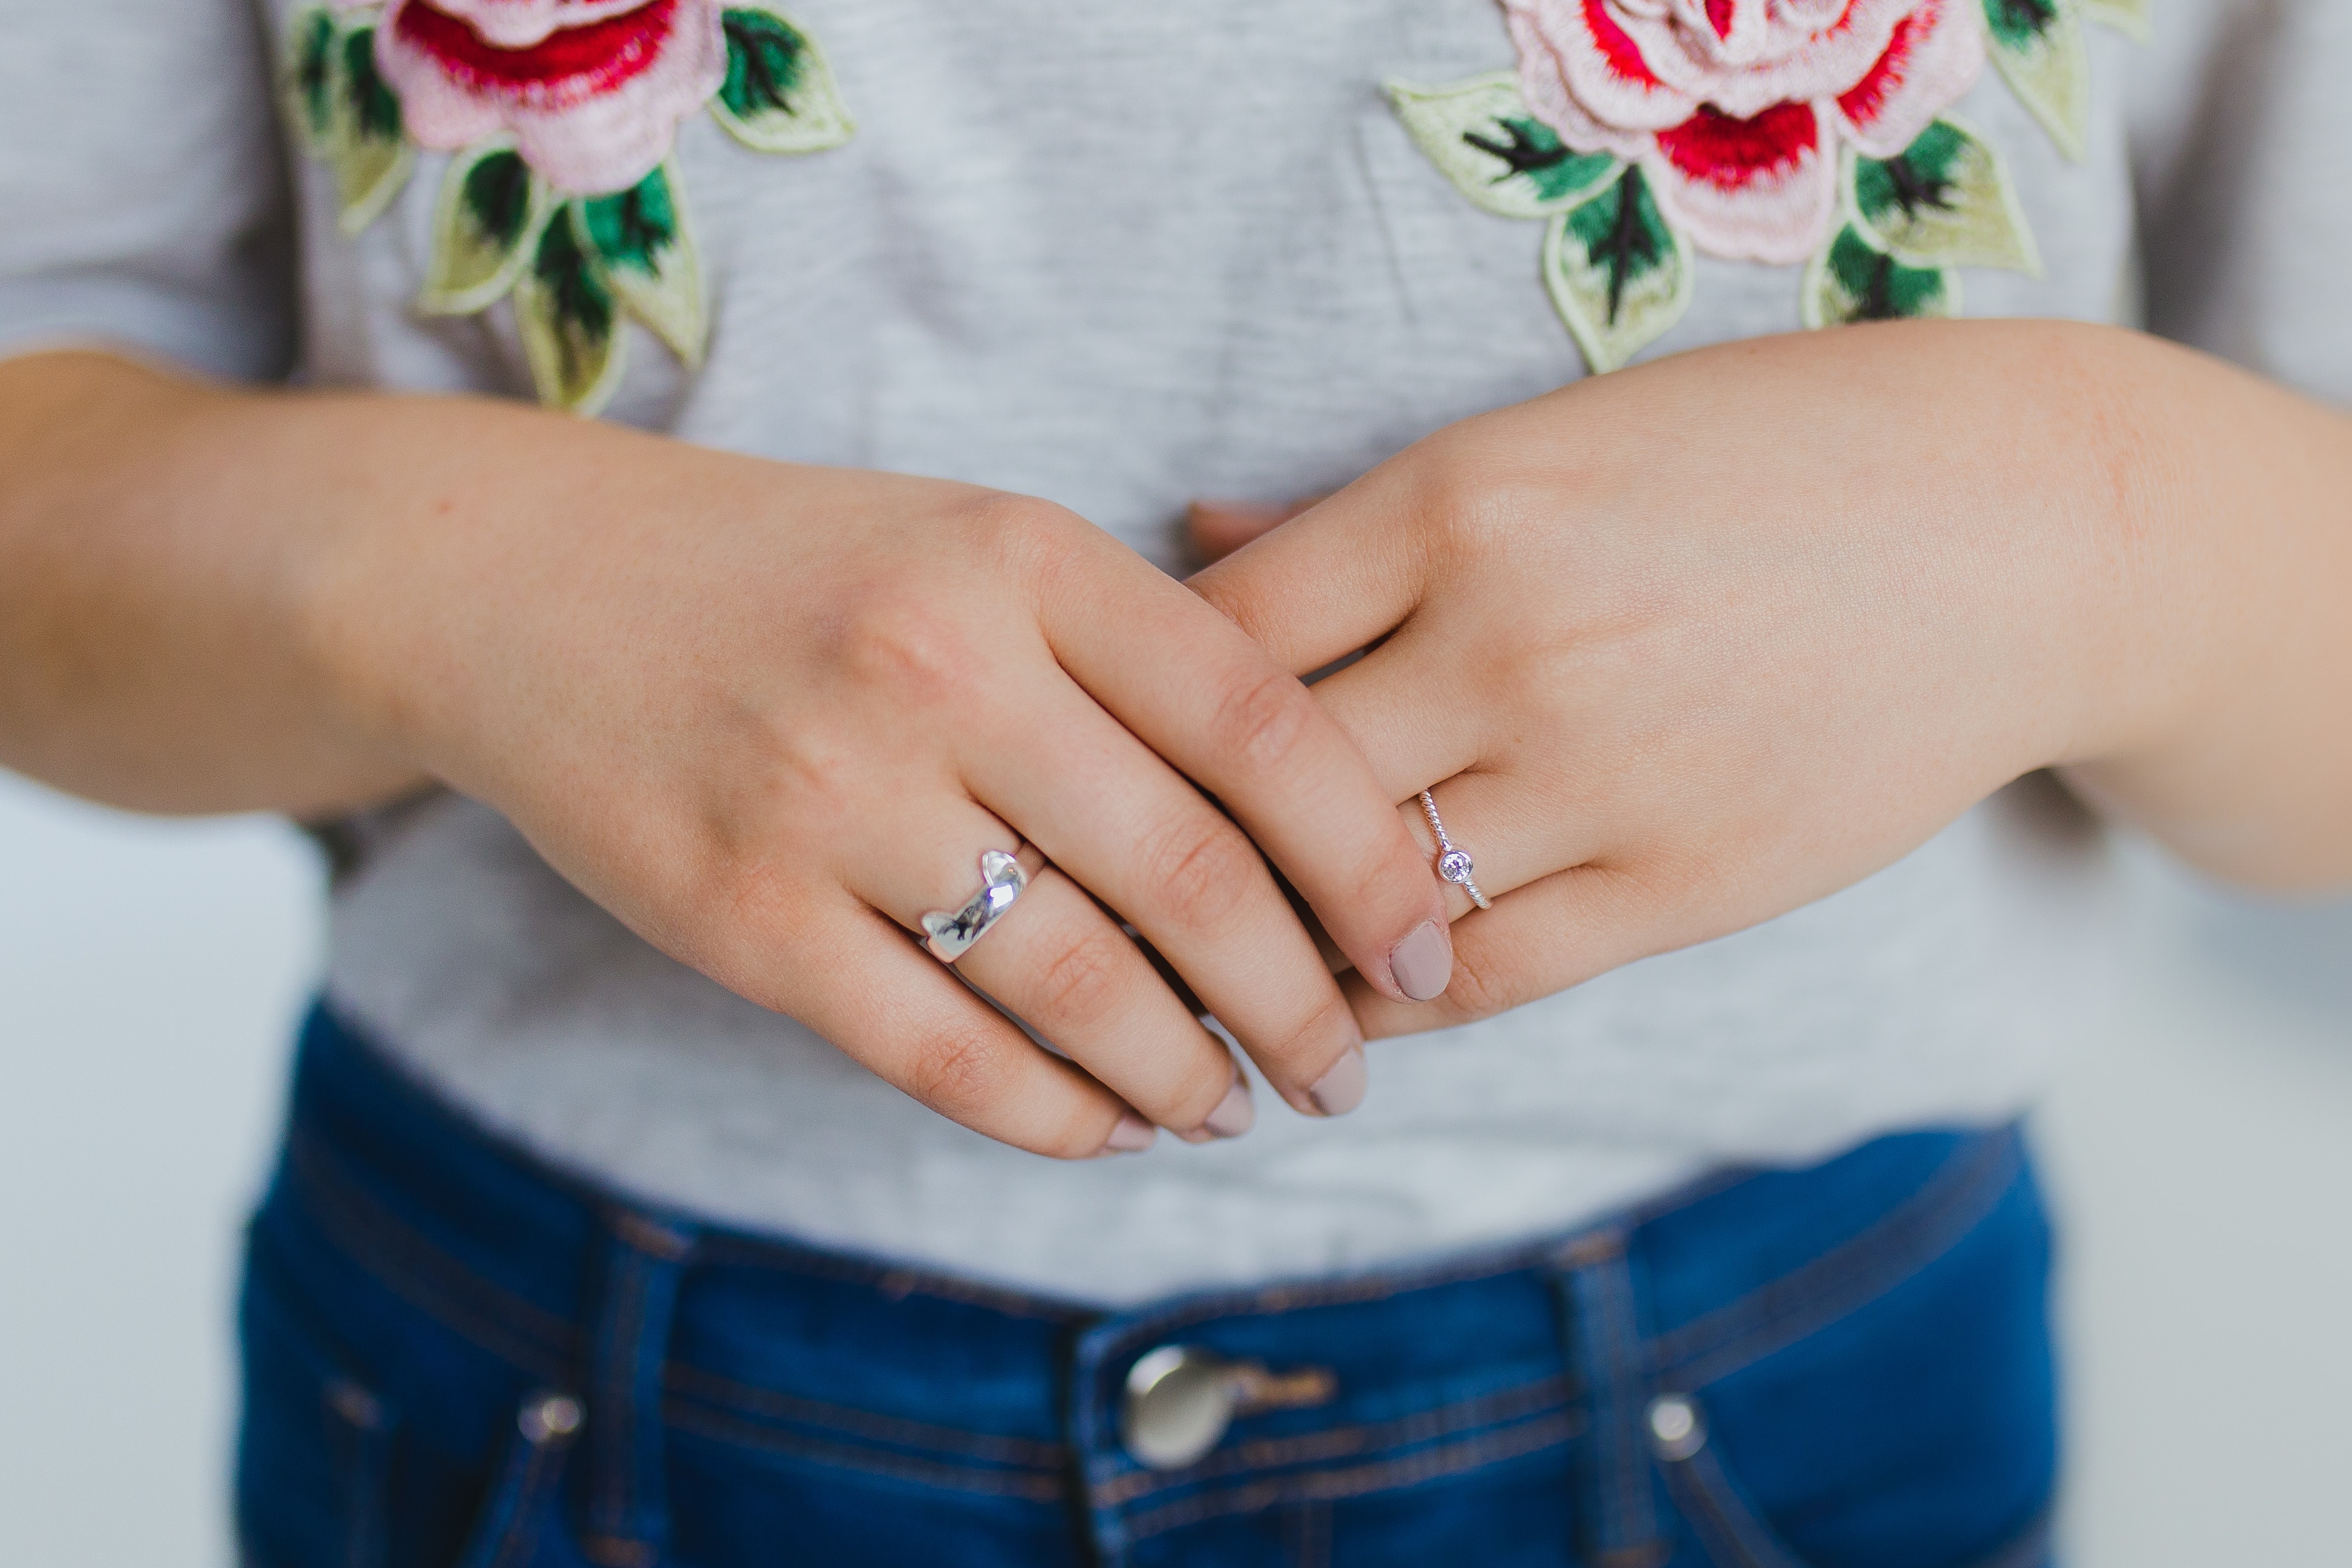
[{"x": 1454, "y": 862}]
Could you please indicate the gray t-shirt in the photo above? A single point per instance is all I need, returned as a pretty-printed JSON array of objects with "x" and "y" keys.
[{"x": 1121, "y": 256}]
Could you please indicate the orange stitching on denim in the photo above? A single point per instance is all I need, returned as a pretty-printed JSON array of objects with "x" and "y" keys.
[
  {"x": 729, "y": 1395},
  {"x": 716, "y": 1426},
  {"x": 1269, "y": 1453},
  {"x": 1327, "y": 1485},
  {"x": 1805, "y": 1301}
]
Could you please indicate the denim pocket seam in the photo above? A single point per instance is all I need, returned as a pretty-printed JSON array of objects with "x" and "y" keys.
[
  {"x": 1808, "y": 1298},
  {"x": 1709, "y": 1497}
]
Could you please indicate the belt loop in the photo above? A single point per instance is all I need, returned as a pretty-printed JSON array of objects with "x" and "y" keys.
[
  {"x": 1618, "y": 1488},
  {"x": 628, "y": 1502}
]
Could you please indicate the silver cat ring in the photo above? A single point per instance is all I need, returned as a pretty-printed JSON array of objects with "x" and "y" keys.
[
  {"x": 1454, "y": 862},
  {"x": 950, "y": 936}
]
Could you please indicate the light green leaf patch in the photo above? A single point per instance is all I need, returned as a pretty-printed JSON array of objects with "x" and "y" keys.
[
  {"x": 1945, "y": 201},
  {"x": 2038, "y": 45},
  {"x": 2129, "y": 17},
  {"x": 489, "y": 216},
  {"x": 369, "y": 153},
  {"x": 779, "y": 95},
  {"x": 645, "y": 253},
  {"x": 1619, "y": 273},
  {"x": 1482, "y": 136},
  {"x": 1854, "y": 280},
  {"x": 570, "y": 319}
]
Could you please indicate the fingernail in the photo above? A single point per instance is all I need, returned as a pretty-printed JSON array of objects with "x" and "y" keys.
[
  {"x": 1133, "y": 1135},
  {"x": 1235, "y": 1114},
  {"x": 1423, "y": 962},
  {"x": 1342, "y": 1089}
]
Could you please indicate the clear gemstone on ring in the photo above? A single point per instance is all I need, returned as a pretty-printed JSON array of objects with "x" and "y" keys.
[{"x": 1455, "y": 866}]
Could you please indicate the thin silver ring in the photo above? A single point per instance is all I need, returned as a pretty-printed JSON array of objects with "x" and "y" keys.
[
  {"x": 1454, "y": 862},
  {"x": 1003, "y": 882}
]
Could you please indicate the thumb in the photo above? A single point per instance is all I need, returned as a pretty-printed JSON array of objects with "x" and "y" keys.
[{"x": 1327, "y": 582}]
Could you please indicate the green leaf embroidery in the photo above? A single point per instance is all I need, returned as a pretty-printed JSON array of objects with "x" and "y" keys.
[
  {"x": 2129, "y": 17},
  {"x": 1620, "y": 274},
  {"x": 1853, "y": 279},
  {"x": 1481, "y": 134},
  {"x": 569, "y": 320},
  {"x": 647, "y": 256},
  {"x": 371, "y": 156},
  {"x": 2038, "y": 44},
  {"x": 1945, "y": 201},
  {"x": 490, "y": 212},
  {"x": 309, "y": 79},
  {"x": 779, "y": 95}
]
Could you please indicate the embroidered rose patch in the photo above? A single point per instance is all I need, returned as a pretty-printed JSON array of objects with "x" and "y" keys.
[
  {"x": 560, "y": 116},
  {"x": 1777, "y": 131}
]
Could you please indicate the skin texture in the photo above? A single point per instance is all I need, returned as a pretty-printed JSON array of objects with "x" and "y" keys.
[
  {"x": 1682, "y": 648},
  {"x": 1687, "y": 647},
  {"x": 763, "y": 714}
]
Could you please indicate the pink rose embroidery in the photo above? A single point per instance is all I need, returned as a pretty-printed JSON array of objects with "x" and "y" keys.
[
  {"x": 1776, "y": 131},
  {"x": 592, "y": 91},
  {"x": 1737, "y": 107},
  {"x": 560, "y": 116}
]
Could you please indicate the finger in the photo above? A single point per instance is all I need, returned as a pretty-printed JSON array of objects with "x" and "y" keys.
[
  {"x": 1125, "y": 827},
  {"x": 1516, "y": 833},
  {"x": 1218, "y": 528},
  {"x": 1559, "y": 933},
  {"x": 1064, "y": 967},
  {"x": 1199, "y": 693},
  {"x": 1331, "y": 581},
  {"x": 901, "y": 1014}
]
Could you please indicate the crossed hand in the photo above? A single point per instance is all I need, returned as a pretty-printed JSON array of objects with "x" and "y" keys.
[{"x": 1676, "y": 651}]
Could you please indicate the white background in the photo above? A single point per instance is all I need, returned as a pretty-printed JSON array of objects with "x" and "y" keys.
[{"x": 149, "y": 974}]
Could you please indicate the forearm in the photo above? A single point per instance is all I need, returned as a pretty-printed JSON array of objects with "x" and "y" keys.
[
  {"x": 2230, "y": 739},
  {"x": 173, "y": 558}
]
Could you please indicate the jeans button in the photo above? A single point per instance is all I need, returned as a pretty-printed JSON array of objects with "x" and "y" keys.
[
  {"x": 1677, "y": 1429},
  {"x": 1179, "y": 1401}
]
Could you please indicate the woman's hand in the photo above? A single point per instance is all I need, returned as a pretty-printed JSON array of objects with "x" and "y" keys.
[
  {"x": 1686, "y": 647},
  {"x": 769, "y": 716}
]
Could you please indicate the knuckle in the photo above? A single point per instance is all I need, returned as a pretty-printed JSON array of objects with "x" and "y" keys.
[
  {"x": 1021, "y": 533},
  {"x": 1202, "y": 869},
  {"x": 1080, "y": 984},
  {"x": 1262, "y": 718},
  {"x": 960, "y": 1075},
  {"x": 897, "y": 644}
]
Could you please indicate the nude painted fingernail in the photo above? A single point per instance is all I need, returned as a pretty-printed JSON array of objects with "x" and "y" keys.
[
  {"x": 1133, "y": 1135},
  {"x": 1235, "y": 1114},
  {"x": 1423, "y": 962},
  {"x": 1342, "y": 1089}
]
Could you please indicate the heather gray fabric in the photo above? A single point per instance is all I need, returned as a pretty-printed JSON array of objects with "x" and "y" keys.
[{"x": 1119, "y": 257}]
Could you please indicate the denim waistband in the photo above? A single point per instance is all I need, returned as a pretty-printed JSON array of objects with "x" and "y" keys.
[{"x": 669, "y": 1330}]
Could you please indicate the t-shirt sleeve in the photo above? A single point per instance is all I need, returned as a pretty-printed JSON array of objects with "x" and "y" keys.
[
  {"x": 143, "y": 184},
  {"x": 2242, "y": 135}
]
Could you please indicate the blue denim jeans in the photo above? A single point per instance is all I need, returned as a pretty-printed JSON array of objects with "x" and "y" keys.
[{"x": 454, "y": 1356}]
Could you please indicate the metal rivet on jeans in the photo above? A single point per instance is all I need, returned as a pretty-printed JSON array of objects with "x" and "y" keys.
[
  {"x": 1677, "y": 1429},
  {"x": 549, "y": 1416}
]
